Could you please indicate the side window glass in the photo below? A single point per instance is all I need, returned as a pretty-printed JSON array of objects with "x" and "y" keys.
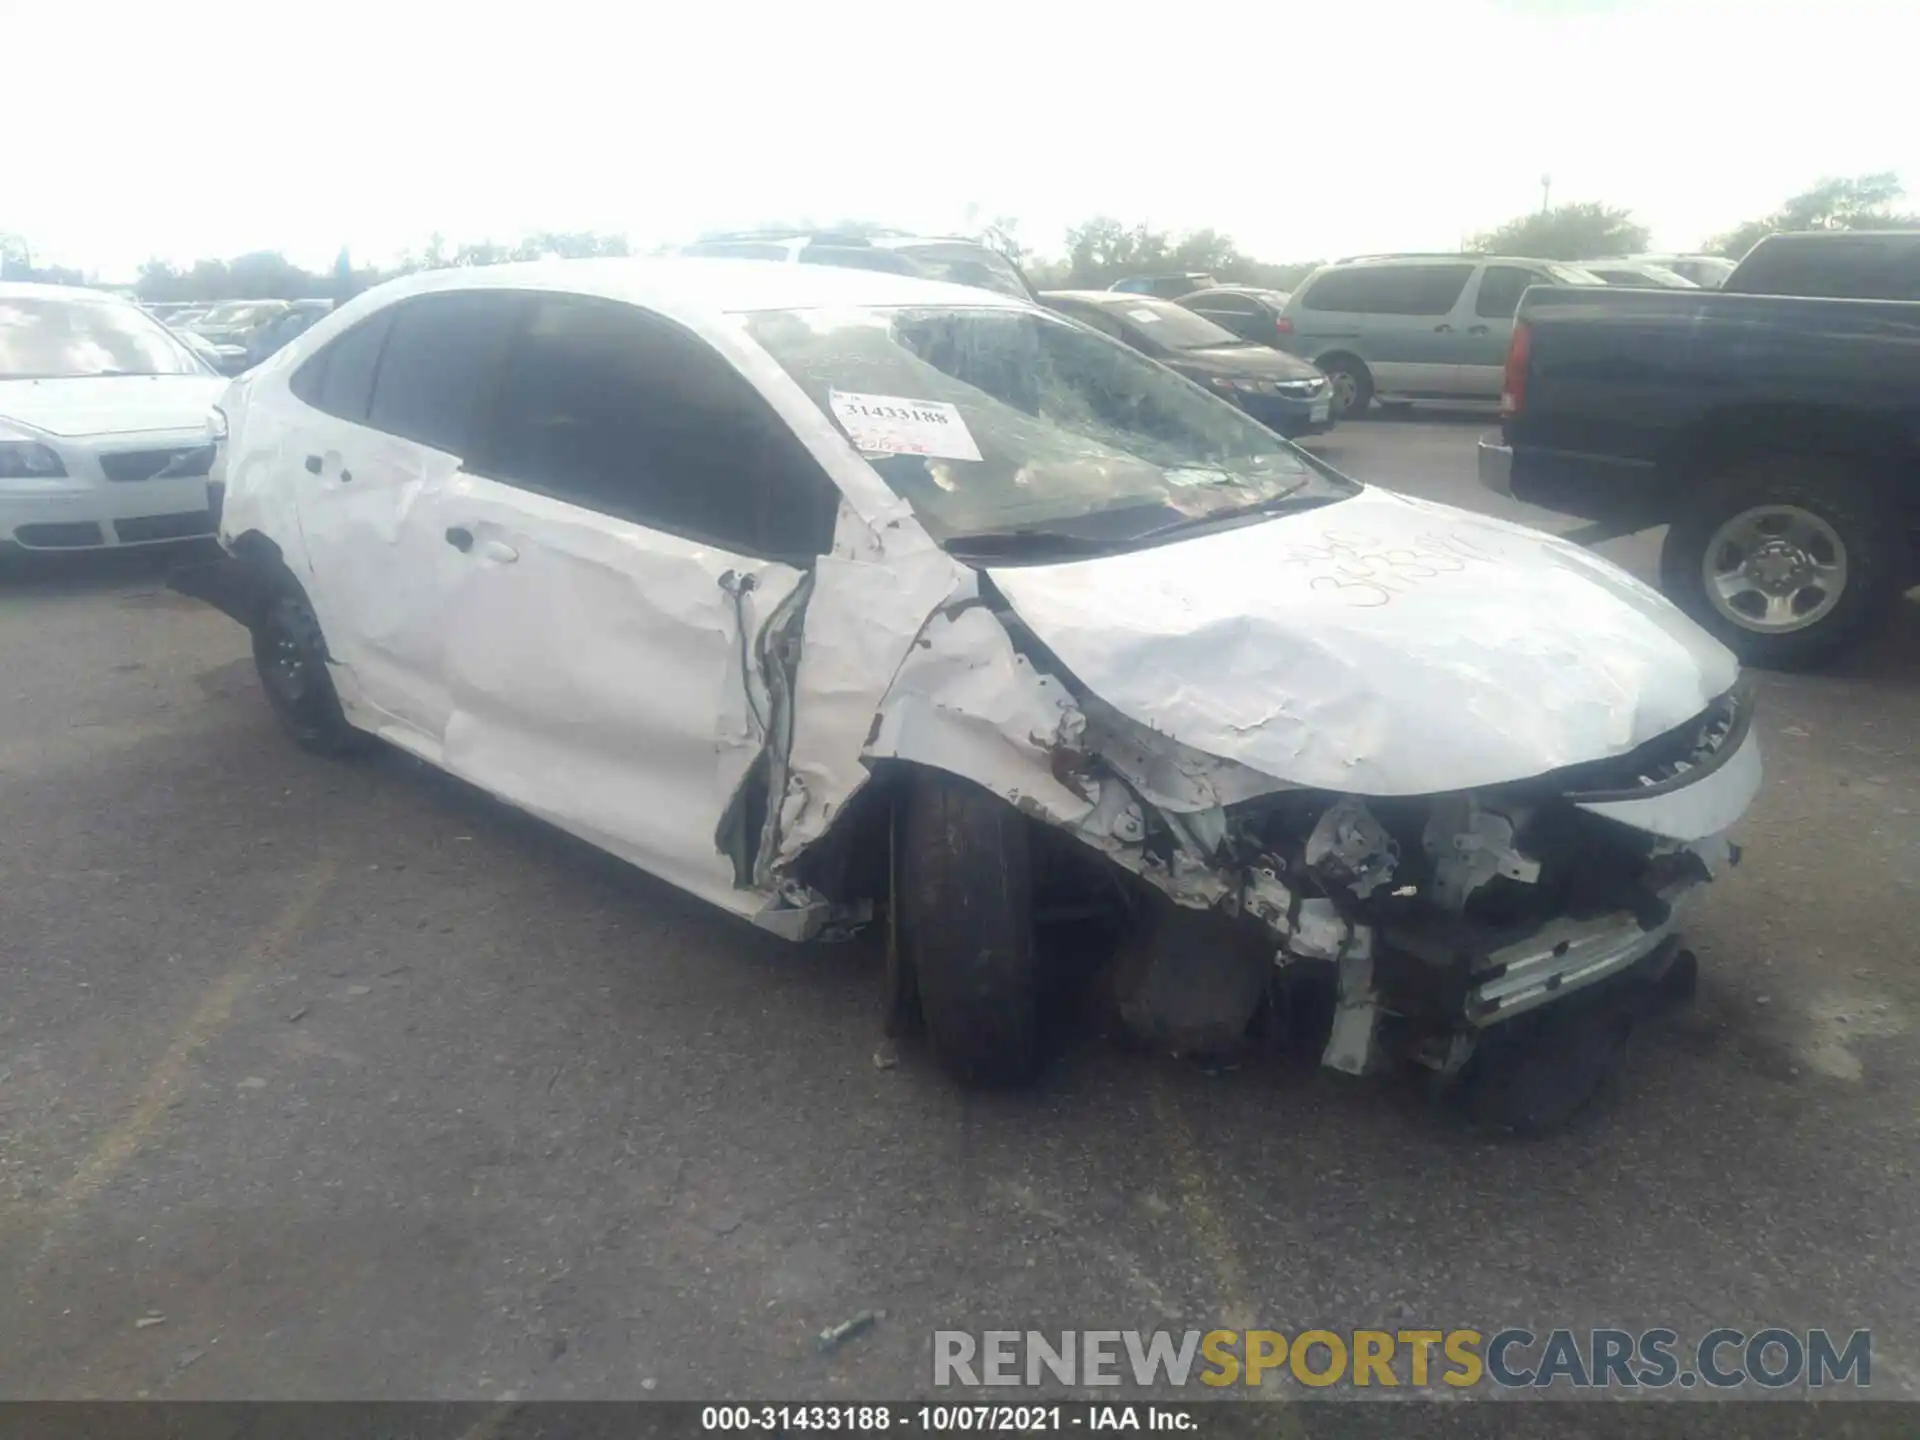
[
  {"x": 611, "y": 408},
  {"x": 339, "y": 380},
  {"x": 438, "y": 365},
  {"x": 1215, "y": 306},
  {"x": 1500, "y": 290},
  {"x": 1341, "y": 291},
  {"x": 1432, "y": 289}
]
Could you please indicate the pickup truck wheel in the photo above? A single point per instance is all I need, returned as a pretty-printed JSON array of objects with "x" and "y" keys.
[
  {"x": 1784, "y": 559},
  {"x": 964, "y": 901},
  {"x": 1352, "y": 385},
  {"x": 291, "y": 657}
]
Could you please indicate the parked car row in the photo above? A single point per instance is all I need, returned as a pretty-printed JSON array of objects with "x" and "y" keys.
[
  {"x": 1405, "y": 327},
  {"x": 235, "y": 335},
  {"x": 1282, "y": 392}
]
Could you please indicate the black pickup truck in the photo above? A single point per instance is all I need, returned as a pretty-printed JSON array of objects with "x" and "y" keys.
[{"x": 1776, "y": 434}]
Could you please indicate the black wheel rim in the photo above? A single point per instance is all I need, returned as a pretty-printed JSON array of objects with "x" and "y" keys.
[{"x": 291, "y": 656}]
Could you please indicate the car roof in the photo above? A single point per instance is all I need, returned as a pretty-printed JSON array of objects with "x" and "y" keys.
[
  {"x": 713, "y": 285},
  {"x": 1263, "y": 291},
  {"x": 1444, "y": 257},
  {"x": 78, "y": 294},
  {"x": 1110, "y": 299}
]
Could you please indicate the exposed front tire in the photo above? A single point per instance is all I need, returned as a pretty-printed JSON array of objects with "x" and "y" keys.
[
  {"x": 963, "y": 908},
  {"x": 1786, "y": 559},
  {"x": 1352, "y": 385},
  {"x": 1536, "y": 1079},
  {"x": 290, "y": 655}
]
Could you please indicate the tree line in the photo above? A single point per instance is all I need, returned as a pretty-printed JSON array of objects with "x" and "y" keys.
[{"x": 1097, "y": 252}]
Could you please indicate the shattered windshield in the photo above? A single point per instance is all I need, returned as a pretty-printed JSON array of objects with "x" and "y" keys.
[{"x": 997, "y": 422}]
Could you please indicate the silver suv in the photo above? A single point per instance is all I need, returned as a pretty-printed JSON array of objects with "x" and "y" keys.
[{"x": 1414, "y": 327}]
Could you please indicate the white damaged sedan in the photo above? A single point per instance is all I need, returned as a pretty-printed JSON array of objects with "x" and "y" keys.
[{"x": 827, "y": 595}]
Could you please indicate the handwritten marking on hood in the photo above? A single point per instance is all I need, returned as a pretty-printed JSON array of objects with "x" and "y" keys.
[{"x": 1367, "y": 572}]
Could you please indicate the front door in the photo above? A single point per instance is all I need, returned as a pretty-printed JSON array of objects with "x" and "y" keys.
[{"x": 632, "y": 545}]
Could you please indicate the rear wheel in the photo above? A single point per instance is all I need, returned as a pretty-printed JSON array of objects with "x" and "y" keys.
[
  {"x": 290, "y": 655},
  {"x": 1352, "y": 385},
  {"x": 1785, "y": 559},
  {"x": 963, "y": 907}
]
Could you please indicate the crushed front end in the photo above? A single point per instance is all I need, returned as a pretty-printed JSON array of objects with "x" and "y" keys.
[{"x": 1444, "y": 917}]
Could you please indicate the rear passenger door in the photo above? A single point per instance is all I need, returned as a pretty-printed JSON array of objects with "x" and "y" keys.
[
  {"x": 1415, "y": 336},
  {"x": 629, "y": 544},
  {"x": 396, "y": 401},
  {"x": 1489, "y": 328}
]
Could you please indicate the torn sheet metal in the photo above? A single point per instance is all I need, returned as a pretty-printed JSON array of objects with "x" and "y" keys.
[
  {"x": 1173, "y": 777},
  {"x": 967, "y": 702},
  {"x": 1469, "y": 846},
  {"x": 871, "y": 597},
  {"x": 1381, "y": 646}
]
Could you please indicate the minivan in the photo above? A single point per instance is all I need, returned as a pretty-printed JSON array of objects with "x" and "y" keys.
[{"x": 1399, "y": 328}]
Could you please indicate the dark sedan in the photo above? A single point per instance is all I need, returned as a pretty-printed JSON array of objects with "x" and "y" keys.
[
  {"x": 1281, "y": 391},
  {"x": 1248, "y": 311}
]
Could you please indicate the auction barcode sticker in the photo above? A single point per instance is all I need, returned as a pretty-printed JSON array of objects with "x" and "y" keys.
[{"x": 895, "y": 425}]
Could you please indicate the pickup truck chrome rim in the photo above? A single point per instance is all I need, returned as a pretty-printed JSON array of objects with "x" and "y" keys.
[{"x": 1775, "y": 568}]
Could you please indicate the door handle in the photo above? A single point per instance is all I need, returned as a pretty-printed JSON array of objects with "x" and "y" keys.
[
  {"x": 313, "y": 464},
  {"x": 1478, "y": 329},
  {"x": 500, "y": 552},
  {"x": 460, "y": 538},
  {"x": 1443, "y": 329}
]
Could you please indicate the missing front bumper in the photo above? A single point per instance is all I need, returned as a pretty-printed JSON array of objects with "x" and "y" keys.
[{"x": 1562, "y": 958}]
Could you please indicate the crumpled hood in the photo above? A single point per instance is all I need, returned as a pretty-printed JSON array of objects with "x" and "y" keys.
[
  {"x": 1378, "y": 646},
  {"x": 110, "y": 404}
]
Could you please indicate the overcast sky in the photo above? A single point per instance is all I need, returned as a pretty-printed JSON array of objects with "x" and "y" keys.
[{"x": 1303, "y": 130}]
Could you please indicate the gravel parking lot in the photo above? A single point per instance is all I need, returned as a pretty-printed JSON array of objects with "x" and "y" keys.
[{"x": 324, "y": 1080}]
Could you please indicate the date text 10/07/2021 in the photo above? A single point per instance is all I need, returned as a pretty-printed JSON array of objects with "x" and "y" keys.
[{"x": 948, "y": 1419}]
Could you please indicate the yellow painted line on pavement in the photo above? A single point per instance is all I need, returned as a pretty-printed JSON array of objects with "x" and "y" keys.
[
  {"x": 1210, "y": 1234},
  {"x": 166, "y": 1080},
  {"x": 489, "y": 1426}
]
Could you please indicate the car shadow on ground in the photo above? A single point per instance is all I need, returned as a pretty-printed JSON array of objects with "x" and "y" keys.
[
  {"x": 52, "y": 572},
  {"x": 1428, "y": 412}
]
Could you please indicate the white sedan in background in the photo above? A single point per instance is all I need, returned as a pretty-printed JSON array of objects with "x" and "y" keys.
[{"x": 105, "y": 423}]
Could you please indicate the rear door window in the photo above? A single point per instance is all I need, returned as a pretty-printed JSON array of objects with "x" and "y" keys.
[
  {"x": 1500, "y": 289},
  {"x": 1388, "y": 289},
  {"x": 1214, "y": 305},
  {"x": 1430, "y": 289},
  {"x": 339, "y": 379},
  {"x": 1341, "y": 291},
  {"x": 439, "y": 363}
]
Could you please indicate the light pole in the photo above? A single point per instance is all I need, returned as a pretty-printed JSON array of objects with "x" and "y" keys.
[{"x": 1546, "y": 193}]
